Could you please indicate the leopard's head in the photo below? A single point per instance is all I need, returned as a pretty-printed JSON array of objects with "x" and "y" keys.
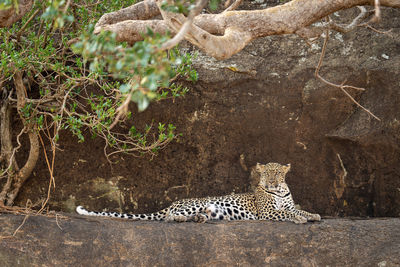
[{"x": 272, "y": 175}]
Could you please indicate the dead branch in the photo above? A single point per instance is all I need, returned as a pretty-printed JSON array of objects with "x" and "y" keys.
[
  {"x": 50, "y": 168},
  {"x": 342, "y": 86},
  {"x": 20, "y": 226},
  {"x": 351, "y": 26},
  {"x": 222, "y": 35},
  {"x": 341, "y": 184},
  {"x": 20, "y": 31}
]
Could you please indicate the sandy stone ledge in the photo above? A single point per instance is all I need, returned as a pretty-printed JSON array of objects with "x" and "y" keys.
[{"x": 80, "y": 241}]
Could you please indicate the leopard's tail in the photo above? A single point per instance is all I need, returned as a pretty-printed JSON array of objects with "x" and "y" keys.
[{"x": 157, "y": 216}]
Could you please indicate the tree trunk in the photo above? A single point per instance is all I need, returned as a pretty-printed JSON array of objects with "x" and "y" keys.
[{"x": 16, "y": 177}]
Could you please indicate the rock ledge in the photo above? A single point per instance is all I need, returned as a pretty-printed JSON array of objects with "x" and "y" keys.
[{"x": 81, "y": 241}]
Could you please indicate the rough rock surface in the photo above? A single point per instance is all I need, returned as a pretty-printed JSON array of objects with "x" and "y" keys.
[
  {"x": 79, "y": 241},
  {"x": 265, "y": 105}
]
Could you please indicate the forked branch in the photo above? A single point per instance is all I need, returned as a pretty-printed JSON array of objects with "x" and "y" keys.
[{"x": 222, "y": 35}]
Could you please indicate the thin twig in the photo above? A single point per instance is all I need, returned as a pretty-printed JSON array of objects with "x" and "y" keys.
[
  {"x": 122, "y": 110},
  {"x": 66, "y": 7},
  {"x": 233, "y": 6},
  {"x": 343, "y": 28},
  {"x": 342, "y": 165},
  {"x": 377, "y": 15},
  {"x": 18, "y": 34},
  {"x": 58, "y": 223},
  {"x": 50, "y": 168},
  {"x": 341, "y": 86},
  {"x": 19, "y": 227},
  {"x": 355, "y": 23},
  {"x": 379, "y": 31}
]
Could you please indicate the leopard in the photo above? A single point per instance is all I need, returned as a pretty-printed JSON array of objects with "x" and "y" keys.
[{"x": 271, "y": 200}]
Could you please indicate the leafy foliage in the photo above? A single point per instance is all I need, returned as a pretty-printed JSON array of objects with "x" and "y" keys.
[
  {"x": 89, "y": 92},
  {"x": 6, "y": 4}
]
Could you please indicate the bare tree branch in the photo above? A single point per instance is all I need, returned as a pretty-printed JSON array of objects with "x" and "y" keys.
[
  {"x": 140, "y": 11},
  {"x": 355, "y": 23},
  {"x": 183, "y": 30},
  {"x": 341, "y": 86},
  {"x": 222, "y": 35}
]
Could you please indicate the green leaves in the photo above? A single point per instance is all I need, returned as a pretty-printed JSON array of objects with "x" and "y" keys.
[
  {"x": 214, "y": 4},
  {"x": 6, "y": 4},
  {"x": 184, "y": 6},
  {"x": 75, "y": 124},
  {"x": 144, "y": 67},
  {"x": 141, "y": 100},
  {"x": 166, "y": 134},
  {"x": 125, "y": 88},
  {"x": 55, "y": 12},
  {"x": 81, "y": 90}
]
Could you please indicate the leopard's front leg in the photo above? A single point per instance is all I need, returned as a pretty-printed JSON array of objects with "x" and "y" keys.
[
  {"x": 176, "y": 218},
  {"x": 282, "y": 215}
]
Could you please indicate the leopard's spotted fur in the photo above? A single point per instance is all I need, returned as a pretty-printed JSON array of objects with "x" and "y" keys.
[{"x": 271, "y": 200}]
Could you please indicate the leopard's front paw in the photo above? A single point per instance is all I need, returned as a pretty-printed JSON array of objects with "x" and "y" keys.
[
  {"x": 299, "y": 219},
  {"x": 315, "y": 217},
  {"x": 176, "y": 218},
  {"x": 200, "y": 218}
]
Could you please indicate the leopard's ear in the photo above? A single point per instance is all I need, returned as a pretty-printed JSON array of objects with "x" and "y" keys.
[
  {"x": 259, "y": 167},
  {"x": 287, "y": 167}
]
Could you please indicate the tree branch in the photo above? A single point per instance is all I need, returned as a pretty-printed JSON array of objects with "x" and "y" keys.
[
  {"x": 24, "y": 173},
  {"x": 341, "y": 86},
  {"x": 184, "y": 28},
  {"x": 7, "y": 153},
  {"x": 233, "y": 6},
  {"x": 140, "y": 11},
  {"x": 5, "y": 134},
  {"x": 208, "y": 30}
]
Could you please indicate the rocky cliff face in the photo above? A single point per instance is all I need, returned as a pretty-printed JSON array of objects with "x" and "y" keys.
[{"x": 263, "y": 105}]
